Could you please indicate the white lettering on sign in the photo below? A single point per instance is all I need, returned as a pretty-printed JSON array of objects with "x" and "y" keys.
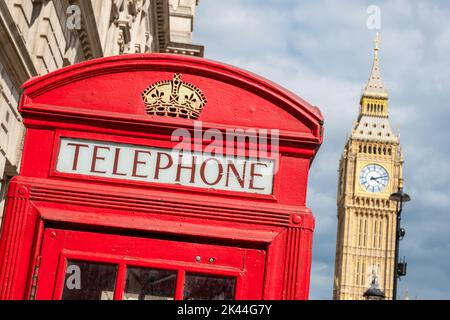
[{"x": 141, "y": 163}]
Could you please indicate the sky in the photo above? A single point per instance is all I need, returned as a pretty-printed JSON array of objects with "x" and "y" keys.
[{"x": 323, "y": 51}]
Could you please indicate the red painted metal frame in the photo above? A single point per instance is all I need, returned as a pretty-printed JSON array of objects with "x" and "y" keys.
[{"x": 100, "y": 100}]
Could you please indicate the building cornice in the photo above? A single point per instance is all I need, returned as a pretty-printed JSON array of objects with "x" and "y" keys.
[
  {"x": 88, "y": 34},
  {"x": 185, "y": 48},
  {"x": 160, "y": 19}
]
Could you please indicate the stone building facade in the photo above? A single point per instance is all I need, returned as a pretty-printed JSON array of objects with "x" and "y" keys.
[
  {"x": 40, "y": 36},
  {"x": 370, "y": 170}
]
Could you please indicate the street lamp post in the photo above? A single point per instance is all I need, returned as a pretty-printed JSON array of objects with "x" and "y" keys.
[{"x": 399, "y": 268}]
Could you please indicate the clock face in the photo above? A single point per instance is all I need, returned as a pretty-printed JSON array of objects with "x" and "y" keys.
[{"x": 374, "y": 178}]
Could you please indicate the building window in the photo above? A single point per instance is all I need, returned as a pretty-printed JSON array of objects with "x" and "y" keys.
[
  {"x": 380, "y": 234},
  {"x": 375, "y": 234},
  {"x": 363, "y": 274},
  {"x": 365, "y": 233},
  {"x": 358, "y": 272},
  {"x": 360, "y": 226}
]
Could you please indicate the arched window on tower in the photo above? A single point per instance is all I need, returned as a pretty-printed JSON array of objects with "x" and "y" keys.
[
  {"x": 365, "y": 233},
  {"x": 362, "y": 273},
  {"x": 375, "y": 234},
  {"x": 358, "y": 271},
  {"x": 380, "y": 233},
  {"x": 360, "y": 226}
]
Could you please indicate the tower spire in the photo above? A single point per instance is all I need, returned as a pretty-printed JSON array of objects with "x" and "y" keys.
[
  {"x": 377, "y": 42},
  {"x": 375, "y": 86}
]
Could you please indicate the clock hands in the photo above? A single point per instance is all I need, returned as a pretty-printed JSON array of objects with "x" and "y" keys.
[{"x": 380, "y": 177}]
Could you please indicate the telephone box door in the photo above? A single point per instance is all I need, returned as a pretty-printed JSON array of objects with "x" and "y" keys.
[{"x": 96, "y": 266}]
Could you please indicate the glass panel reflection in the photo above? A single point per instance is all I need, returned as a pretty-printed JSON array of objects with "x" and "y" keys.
[
  {"x": 89, "y": 281},
  {"x": 204, "y": 287},
  {"x": 149, "y": 284}
]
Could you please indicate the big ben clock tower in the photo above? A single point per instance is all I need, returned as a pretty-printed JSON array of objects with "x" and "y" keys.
[{"x": 370, "y": 170}]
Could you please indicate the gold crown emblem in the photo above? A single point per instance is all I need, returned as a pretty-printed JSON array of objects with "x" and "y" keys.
[{"x": 174, "y": 98}]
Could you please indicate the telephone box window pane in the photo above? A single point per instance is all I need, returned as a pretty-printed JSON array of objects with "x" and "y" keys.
[
  {"x": 204, "y": 287},
  {"x": 89, "y": 281},
  {"x": 149, "y": 284}
]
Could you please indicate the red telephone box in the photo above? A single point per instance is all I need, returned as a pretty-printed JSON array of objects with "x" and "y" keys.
[{"x": 160, "y": 177}]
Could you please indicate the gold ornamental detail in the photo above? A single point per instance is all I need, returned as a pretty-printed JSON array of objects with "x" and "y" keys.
[{"x": 174, "y": 98}]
